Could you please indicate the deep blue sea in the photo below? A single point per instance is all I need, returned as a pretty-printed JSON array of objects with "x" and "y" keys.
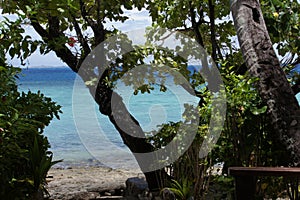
[{"x": 83, "y": 136}]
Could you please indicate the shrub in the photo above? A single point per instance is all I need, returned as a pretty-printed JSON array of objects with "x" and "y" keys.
[{"x": 24, "y": 156}]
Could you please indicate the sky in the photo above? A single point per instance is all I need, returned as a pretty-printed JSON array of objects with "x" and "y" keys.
[{"x": 137, "y": 20}]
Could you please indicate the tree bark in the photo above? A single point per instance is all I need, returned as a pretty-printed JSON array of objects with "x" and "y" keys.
[{"x": 262, "y": 63}]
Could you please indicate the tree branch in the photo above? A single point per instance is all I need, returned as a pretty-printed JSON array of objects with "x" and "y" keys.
[
  {"x": 219, "y": 52},
  {"x": 39, "y": 29},
  {"x": 53, "y": 23},
  {"x": 212, "y": 29},
  {"x": 62, "y": 52},
  {"x": 81, "y": 39},
  {"x": 85, "y": 15},
  {"x": 98, "y": 12},
  {"x": 204, "y": 62},
  {"x": 195, "y": 25}
]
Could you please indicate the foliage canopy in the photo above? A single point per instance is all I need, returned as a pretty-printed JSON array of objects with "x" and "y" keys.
[{"x": 247, "y": 137}]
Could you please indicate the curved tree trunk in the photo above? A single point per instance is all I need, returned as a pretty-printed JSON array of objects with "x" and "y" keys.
[
  {"x": 120, "y": 118},
  {"x": 262, "y": 63},
  {"x": 103, "y": 97}
]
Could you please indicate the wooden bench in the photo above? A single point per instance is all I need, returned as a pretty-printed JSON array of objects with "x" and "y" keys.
[{"x": 245, "y": 178}]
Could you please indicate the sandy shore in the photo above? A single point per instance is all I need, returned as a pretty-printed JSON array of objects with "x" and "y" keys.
[{"x": 88, "y": 182}]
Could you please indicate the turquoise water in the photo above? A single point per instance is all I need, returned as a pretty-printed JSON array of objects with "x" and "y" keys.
[{"x": 82, "y": 136}]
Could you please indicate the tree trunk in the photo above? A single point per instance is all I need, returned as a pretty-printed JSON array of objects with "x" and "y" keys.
[
  {"x": 262, "y": 63},
  {"x": 126, "y": 125},
  {"x": 103, "y": 97}
]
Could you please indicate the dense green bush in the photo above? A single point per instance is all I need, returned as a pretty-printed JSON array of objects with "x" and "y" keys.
[
  {"x": 24, "y": 156},
  {"x": 246, "y": 140}
]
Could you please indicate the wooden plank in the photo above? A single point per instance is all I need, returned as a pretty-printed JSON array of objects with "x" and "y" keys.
[
  {"x": 265, "y": 171},
  {"x": 245, "y": 178}
]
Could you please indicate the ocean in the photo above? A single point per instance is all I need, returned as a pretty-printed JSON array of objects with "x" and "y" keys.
[{"x": 84, "y": 137}]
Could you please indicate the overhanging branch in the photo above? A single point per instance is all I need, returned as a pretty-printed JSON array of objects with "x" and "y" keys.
[
  {"x": 81, "y": 39},
  {"x": 62, "y": 52}
]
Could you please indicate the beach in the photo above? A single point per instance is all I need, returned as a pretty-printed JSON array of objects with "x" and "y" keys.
[
  {"x": 86, "y": 140},
  {"x": 88, "y": 182}
]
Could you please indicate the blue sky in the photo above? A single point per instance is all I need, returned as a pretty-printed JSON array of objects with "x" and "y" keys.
[{"x": 137, "y": 20}]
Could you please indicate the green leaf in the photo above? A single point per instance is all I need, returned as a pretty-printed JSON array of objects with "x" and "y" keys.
[
  {"x": 258, "y": 111},
  {"x": 12, "y": 52},
  {"x": 33, "y": 46}
]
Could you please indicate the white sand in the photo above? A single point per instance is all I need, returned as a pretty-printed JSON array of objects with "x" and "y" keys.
[{"x": 88, "y": 182}]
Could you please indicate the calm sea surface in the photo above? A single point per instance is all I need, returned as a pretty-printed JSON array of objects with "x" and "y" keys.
[{"x": 82, "y": 136}]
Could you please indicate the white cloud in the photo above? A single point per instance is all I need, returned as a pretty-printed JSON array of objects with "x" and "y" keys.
[{"x": 136, "y": 20}]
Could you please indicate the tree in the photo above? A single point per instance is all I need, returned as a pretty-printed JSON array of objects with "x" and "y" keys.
[
  {"x": 52, "y": 20},
  {"x": 262, "y": 63}
]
